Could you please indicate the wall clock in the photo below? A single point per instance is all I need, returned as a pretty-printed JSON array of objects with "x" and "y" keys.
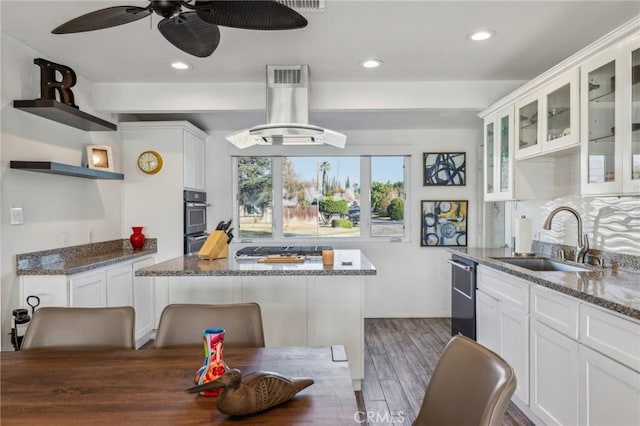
[{"x": 150, "y": 162}]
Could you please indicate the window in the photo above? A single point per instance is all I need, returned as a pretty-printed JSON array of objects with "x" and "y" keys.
[
  {"x": 387, "y": 196},
  {"x": 255, "y": 195},
  {"x": 322, "y": 196}
]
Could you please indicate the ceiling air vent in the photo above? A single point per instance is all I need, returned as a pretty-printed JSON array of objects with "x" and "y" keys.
[
  {"x": 304, "y": 5},
  {"x": 287, "y": 76}
]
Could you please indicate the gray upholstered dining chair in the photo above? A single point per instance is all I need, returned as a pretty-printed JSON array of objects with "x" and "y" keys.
[
  {"x": 81, "y": 328},
  {"x": 470, "y": 385},
  {"x": 182, "y": 324}
]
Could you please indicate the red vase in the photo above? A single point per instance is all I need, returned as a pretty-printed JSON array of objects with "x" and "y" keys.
[{"x": 137, "y": 238}]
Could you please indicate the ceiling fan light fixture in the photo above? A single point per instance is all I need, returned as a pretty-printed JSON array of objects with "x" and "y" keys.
[
  {"x": 194, "y": 30},
  {"x": 481, "y": 35},
  {"x": 372, "y": 63},
  {"x": 179, "y": 65}
]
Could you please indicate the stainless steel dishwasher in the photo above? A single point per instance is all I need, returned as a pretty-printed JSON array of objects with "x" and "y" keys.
[{"x": 463, "y": 296}]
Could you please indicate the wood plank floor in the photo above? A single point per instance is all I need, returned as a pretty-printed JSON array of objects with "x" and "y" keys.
[{"x": 400, "y": 355}]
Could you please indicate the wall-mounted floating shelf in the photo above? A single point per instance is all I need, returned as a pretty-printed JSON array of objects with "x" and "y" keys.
[
  {"x": 65, "y": 169},
  {"x": 63, "y": 113}
]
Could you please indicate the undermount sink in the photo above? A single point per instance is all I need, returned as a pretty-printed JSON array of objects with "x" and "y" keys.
[{"x": 541, "y": 264}]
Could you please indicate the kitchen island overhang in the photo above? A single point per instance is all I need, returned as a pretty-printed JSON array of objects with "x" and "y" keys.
[
  {"x": 303, "y": 304},
  {"x": 346, "y": 262}
]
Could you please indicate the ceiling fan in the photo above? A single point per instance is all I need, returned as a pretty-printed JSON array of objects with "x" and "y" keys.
[{"x": 194, "y": 31}]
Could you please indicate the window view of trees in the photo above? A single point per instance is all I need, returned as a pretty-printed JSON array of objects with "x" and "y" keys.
[
  {"x": 255, "y": 195},
  {"x": 317, "y": 195},
  {"x": 320, "y": 196},
  {"x": 387, "y": 196}
]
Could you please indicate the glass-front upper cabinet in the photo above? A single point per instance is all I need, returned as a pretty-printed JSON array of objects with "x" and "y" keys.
[
  {"x": 489, "y": 147},
  {"x": 547, "y": 120},
  {"x": 631, "y": 149},
  {"x": 600, "y": 163},
  {"x": 610, "y": 83},
  {"x": 498, "y": 155},
  {"x": 528, "y": 127}
]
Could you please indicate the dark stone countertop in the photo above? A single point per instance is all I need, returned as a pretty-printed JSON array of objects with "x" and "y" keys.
[
  {"x": 192, "y": 265},
  {"x": 81, "y": 258},
  {"x": 613, "y": 289}
]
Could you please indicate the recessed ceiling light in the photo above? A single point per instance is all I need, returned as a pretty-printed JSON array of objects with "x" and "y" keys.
[
  {"x": 372, "y": 63},
  {"x": 179, "y": 65},
  {"x": 481, "y": 35}
]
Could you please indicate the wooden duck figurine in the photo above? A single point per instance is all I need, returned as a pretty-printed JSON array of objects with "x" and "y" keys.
[{"x": 255, "y": 392}]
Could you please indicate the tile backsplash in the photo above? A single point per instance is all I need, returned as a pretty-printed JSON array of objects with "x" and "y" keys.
[{"x": 612, "y": 223}]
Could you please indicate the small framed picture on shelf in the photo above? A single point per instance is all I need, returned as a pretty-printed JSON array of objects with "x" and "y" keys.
[
  {"x": 444, "y": 223},
  {"x": 100, "y": 157},
  {"x": 444, "y": 168}
]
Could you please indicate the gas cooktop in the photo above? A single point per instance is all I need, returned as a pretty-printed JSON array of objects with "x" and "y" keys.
[{"x": 262, "y": 251}]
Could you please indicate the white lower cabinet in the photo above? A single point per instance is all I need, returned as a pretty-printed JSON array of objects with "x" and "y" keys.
[
  {"x": 87, "y": 290},
  {"x": 609, "y": 392},
  {"x": 514, "y": 346},
  {"x": 113, "y": 285},
  {"x": 502, "y": 311},
  {"x": 554, "y": 376},
  {"x": 119, "y": 286},
  {"x": 143, "y": 295},
  {"x": 487, "y": 321},
  {"x": 576, "y": 363}
]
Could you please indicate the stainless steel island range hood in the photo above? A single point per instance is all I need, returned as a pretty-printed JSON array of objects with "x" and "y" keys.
[{"x": 287, "y": 113}]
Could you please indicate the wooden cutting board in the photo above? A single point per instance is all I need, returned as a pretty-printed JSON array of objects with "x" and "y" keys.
[{"x": 281, "y": 259}]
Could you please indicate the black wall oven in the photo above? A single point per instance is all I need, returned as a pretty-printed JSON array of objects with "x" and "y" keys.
[
  {"x": 195, "y": 220},
  {"x": 463, "y": 296}
]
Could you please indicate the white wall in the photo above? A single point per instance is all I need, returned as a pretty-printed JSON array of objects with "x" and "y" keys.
[
  {"x": 411, "y": 281},
  {"x": 58, "y": 210}
]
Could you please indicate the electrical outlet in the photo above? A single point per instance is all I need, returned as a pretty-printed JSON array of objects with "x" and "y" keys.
[
  {"x": 90, "y": 235},
  {"x": 17, "y": 216}
]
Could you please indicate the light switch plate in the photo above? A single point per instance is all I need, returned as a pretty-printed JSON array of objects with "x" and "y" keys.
[{"x": 17, "y": 216}]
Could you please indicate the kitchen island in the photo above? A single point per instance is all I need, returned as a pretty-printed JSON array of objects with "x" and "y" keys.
[
  {"x": 346, "y": 262},
  {"x": 303, "y": 304}
]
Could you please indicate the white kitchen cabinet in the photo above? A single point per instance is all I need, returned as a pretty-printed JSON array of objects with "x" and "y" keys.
[
  {"x": 610, "y": 154},
  {"x": 119, "y": 286},
  {"x": 555, "y": 310},
  {"x": 88, "y": 290},
  {"x": 498, "y": 155},
  {"x": 547, "y": 119},
  {"x": 194, "y": 167},
  {"x": 554, "y": 376},
  {"x": 113, "y": 285},
  {"x": 143, "y": 298},
  {"x": 611, "y": 335},
  {"x": 514, "y": 346},
  {"x": 502, "y": 309},
  {"x": 487, "y": 321},
  {"x": 609, "y": 392}
]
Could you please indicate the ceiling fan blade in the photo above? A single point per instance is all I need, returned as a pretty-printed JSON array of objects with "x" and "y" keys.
[
  {"x": 250, "y": 14},
  {"x": 103, "y": 18},
  {"x": 191, "y": 34}
]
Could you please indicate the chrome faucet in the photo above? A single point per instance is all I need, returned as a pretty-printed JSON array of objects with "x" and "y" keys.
[{"x": 583, "y": 240}]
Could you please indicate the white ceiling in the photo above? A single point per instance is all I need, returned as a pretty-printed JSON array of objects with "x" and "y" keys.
[{"x": 418, "y": 40}]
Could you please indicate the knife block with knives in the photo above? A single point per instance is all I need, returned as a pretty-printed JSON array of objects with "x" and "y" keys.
[{"x": 215, "y": 247}]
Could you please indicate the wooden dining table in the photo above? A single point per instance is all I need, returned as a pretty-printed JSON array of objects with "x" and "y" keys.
[{"x": 148, "y": 387}]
